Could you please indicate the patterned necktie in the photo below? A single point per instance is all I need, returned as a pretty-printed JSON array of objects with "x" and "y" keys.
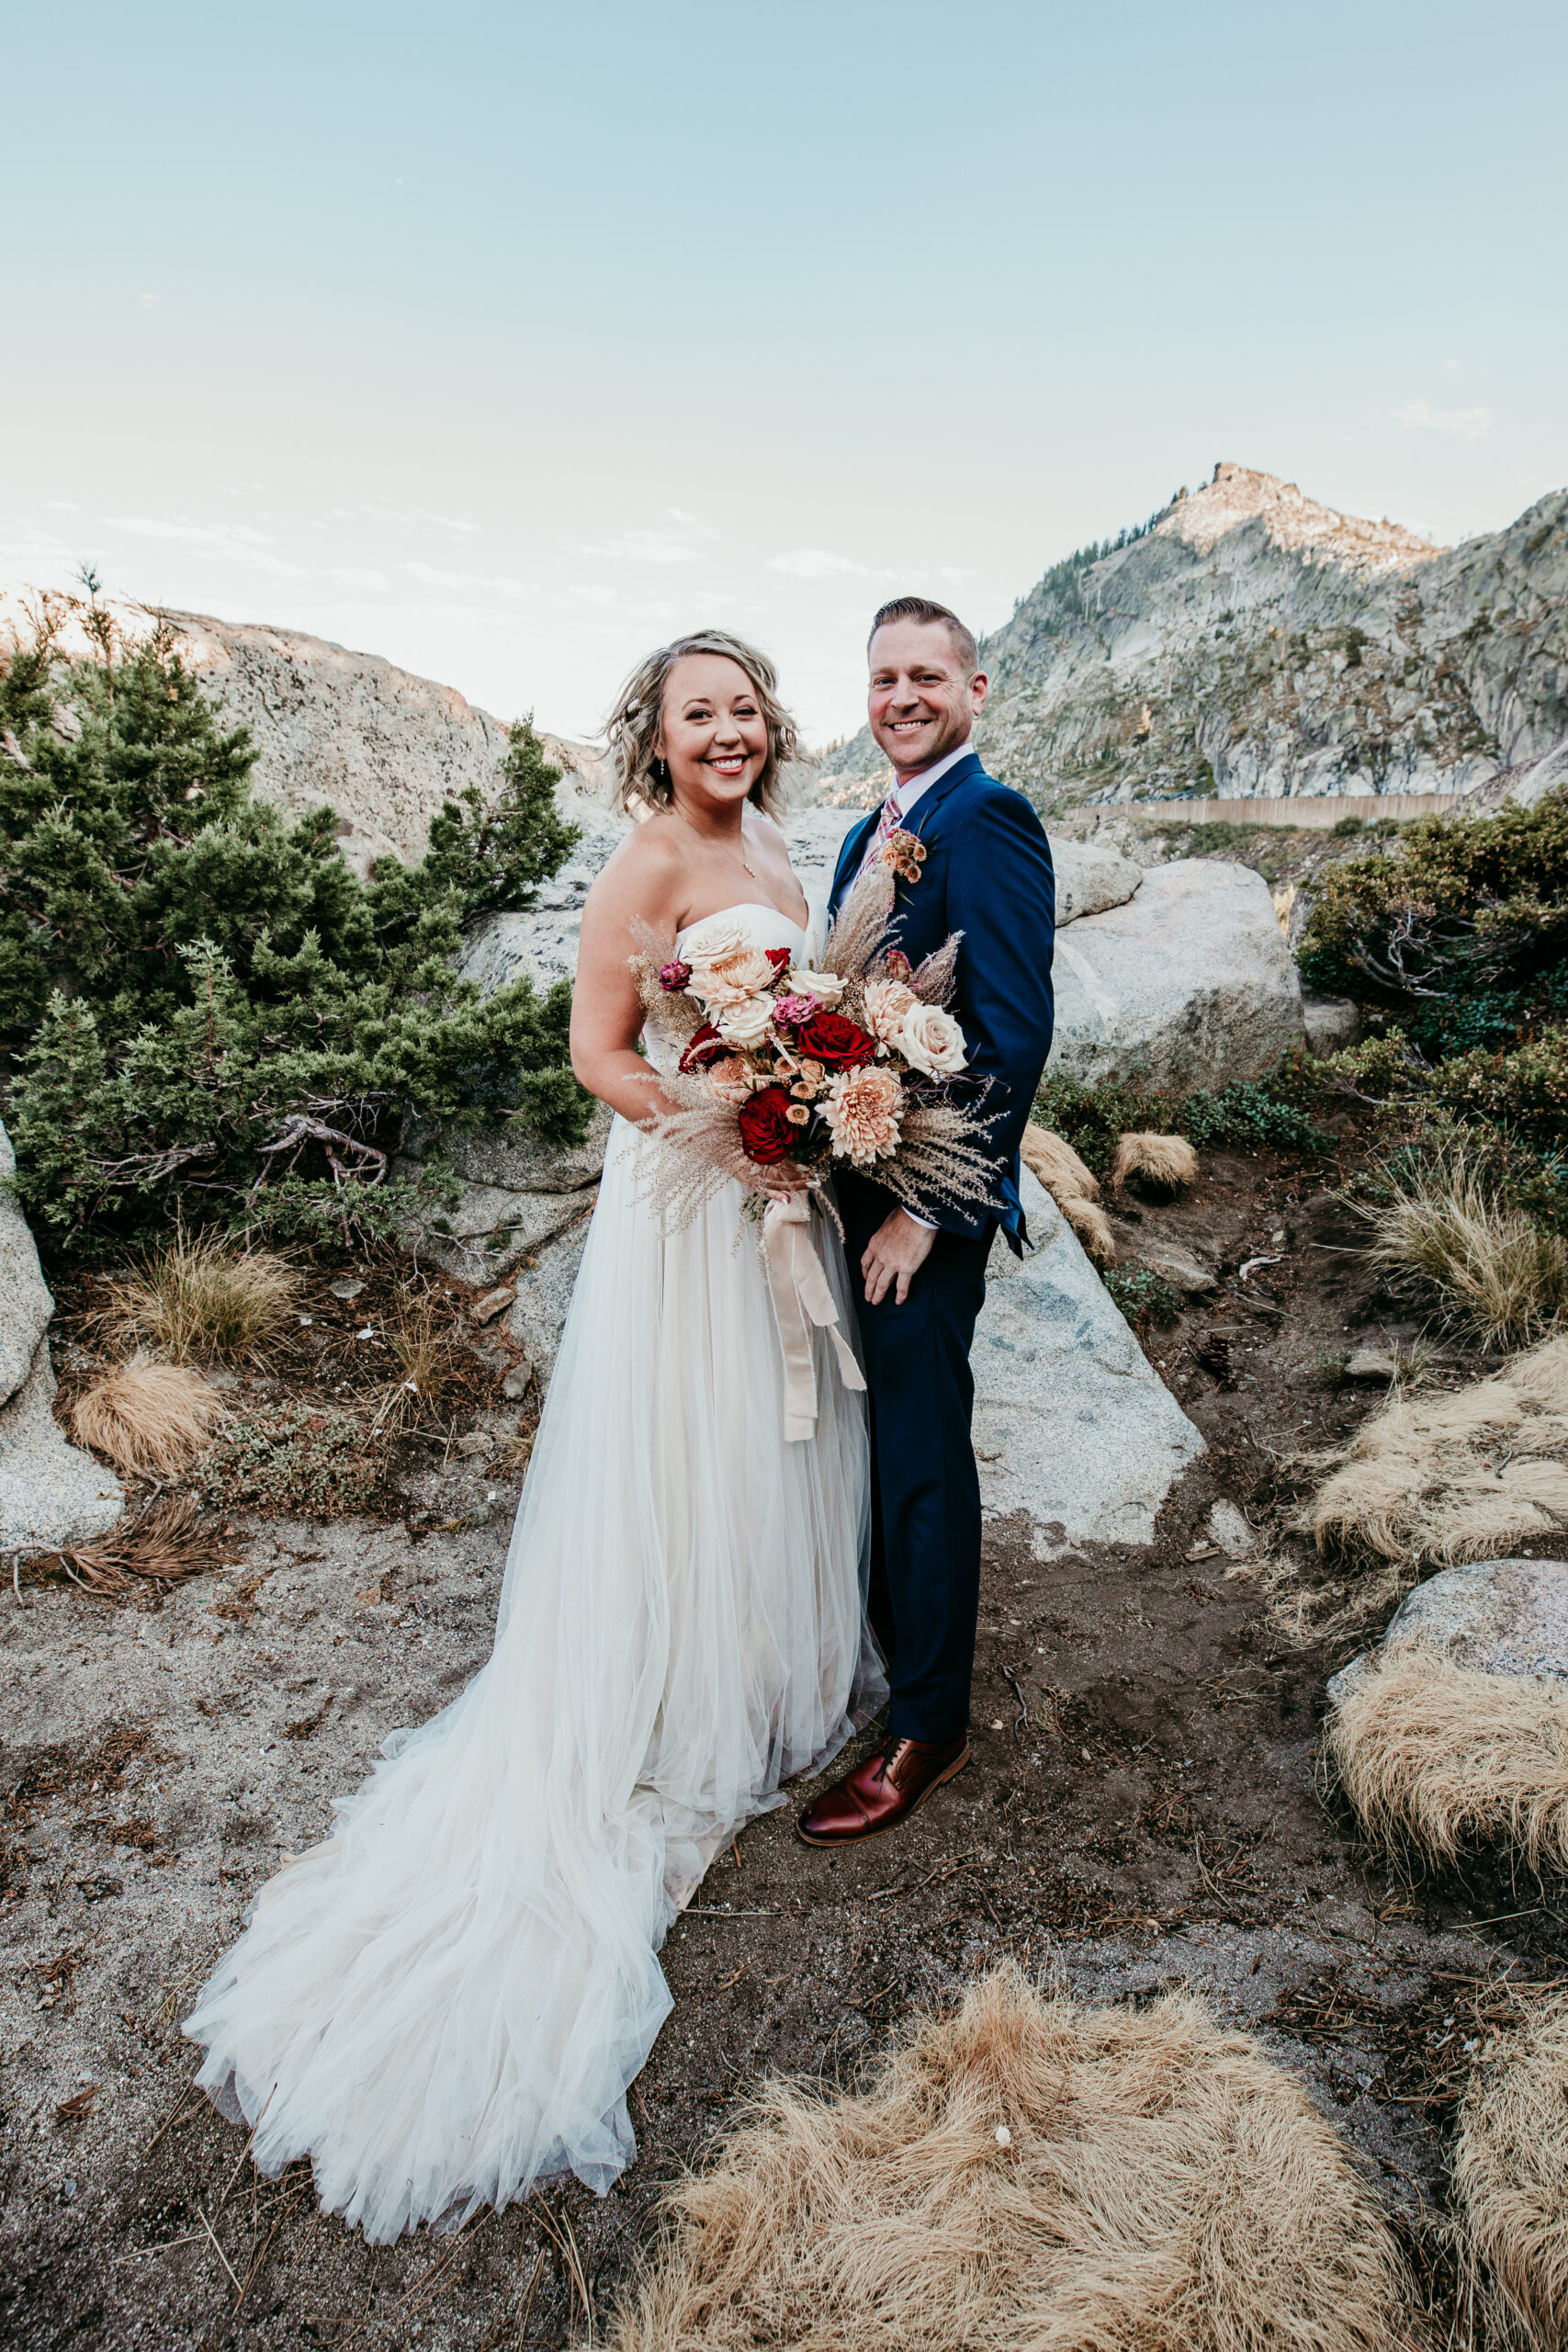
[{"x": 887, "y": 824}]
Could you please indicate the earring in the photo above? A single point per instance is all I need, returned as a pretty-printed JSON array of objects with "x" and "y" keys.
[{"x": 661, "y": 774}]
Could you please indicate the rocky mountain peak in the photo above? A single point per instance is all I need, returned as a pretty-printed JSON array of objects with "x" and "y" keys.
[{"x": 1294, "y": 523}]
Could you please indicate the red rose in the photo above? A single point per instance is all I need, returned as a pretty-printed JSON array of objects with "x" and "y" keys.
[
  {"x": 779, "y": 957},
  {"x": 706, "y": 1047},
  {"x": 767, "y": 1134},
  {"x": 834, "y": 1041}
]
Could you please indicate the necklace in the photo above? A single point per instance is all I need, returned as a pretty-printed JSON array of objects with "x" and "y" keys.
[{"x": 741, "y": 844}]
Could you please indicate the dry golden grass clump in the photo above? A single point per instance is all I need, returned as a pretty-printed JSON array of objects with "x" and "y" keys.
[
  {"x": 1031, "y": 2173},
  {"x": 1160, "y": 1166},
  {"x": 163, "y": 1546},
  {"x": 203, "y": 1297},
  {"x": 1510, "y": 2183},
  {"x": 1444, "y": 1231},
  {"x": 429, "y": 1355},
  {"x": 1449, "y": 1478},
  {"x": 1075, "y": 1190},
  {"x": 147, "y": 1416},
  {"x": 1437, "y": 1758}
]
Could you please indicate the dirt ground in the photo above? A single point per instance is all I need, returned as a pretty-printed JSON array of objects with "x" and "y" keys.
[{"x": 1141, "y": 1813}]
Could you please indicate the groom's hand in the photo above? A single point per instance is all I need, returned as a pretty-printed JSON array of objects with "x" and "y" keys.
[{"x": 896, "y": 1252}]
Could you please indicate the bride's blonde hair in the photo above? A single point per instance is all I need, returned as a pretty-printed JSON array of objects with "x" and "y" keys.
[{"x": 632, "y": 728}]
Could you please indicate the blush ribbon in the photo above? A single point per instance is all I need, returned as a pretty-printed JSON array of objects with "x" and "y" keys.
[{"x": 801, "y": 1299}]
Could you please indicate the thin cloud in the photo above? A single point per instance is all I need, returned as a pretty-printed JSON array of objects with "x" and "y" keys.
[
  {"x": 234, "y": 543},
  {"x": 350, "y": 575},
  {"x": 430, "y": 576},
  {"x": 679, "y": 546},
  {"x": 1469, "y": 423},
  {"x": 820, "y": 563},
  {"x": 642, "y": 547}
]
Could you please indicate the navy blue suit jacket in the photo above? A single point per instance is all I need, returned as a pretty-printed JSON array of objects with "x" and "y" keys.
[{"x": 987, "y": 874}]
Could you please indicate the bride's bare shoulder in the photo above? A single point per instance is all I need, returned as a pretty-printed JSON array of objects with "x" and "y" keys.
[{"x": 643, "y": 874}]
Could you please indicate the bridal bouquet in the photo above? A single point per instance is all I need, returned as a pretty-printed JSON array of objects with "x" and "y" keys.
[{"x": 782, "y": 1066}]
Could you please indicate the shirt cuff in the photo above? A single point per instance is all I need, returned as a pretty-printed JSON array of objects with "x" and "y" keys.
[{"x": 926, "y": 1222}]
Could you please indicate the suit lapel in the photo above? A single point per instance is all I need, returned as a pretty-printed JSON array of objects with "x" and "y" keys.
[
  {"x": 858, "y": 837},
  {"x": 851, "y": 850},
  {"x": 930, "y": 800}
]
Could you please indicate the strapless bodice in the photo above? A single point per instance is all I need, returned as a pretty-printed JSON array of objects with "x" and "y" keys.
[
  {"x": 762, "y": 924},
  {"x": 753, "y": 923}
]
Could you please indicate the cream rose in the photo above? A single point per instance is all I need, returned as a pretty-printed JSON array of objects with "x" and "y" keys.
[
  {"x": 744, "y": 1025},
  {"x": 929, "y": 1040},
  {"x": 863, "y": 1110},
  {"x": 730, "y": 979},
  {"x": 887, "y": 1002},
  {"x": 714, "y": 937},
  {"x": 825, "y": 987},
  {"x": 732, "y": 1079}
]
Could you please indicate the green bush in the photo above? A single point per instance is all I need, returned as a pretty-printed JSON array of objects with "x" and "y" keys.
[
  {"x": 1252, "y": 1113},
  {"x": 1465, "y": 904},
  {"x": 204, "y": 1013},
  {"x": 1143, "y": 1297}
]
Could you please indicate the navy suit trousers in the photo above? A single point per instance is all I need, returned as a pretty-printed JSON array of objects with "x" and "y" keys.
[{"x": 925, "y": 1508}]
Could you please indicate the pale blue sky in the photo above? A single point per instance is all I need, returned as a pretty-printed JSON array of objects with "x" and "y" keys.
[{"x": 506, "y": 340}]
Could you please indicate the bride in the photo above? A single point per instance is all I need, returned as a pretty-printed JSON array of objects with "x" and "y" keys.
[{"x": 448, "y": 1999}]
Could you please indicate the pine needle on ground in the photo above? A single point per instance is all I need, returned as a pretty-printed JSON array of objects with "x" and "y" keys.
[
  {"x": 147, "y": 1416},
  {"x": 1031, "y": 2175},
  {"x": 163, "y": 1546},
  {"x": 1437, "y": 1758},
  {"x": 1510, "y": 2183}
]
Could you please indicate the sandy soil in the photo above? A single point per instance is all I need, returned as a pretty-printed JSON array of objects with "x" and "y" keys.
[{"x": 1139, "y": 1813}]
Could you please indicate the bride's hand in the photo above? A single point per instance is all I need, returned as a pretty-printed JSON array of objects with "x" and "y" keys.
[{"x": 784, "y": 1180}]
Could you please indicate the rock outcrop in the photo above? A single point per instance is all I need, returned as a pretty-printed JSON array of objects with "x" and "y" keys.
[
  {"x": 380, "y": 746},
  {"x": 1188, "y": 983},
  {"x": 1494, "y": 1616},
  {"x": 1248, "y": 641},
  {"x": 1073, "y": 1428},
  {"x": 50, "y": 1494}
]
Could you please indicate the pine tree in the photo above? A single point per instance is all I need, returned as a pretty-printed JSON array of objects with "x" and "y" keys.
[{"x": 204, "y": 1012}]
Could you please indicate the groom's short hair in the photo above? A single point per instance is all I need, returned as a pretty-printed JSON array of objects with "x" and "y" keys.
[{"x": 922, "y": 609}]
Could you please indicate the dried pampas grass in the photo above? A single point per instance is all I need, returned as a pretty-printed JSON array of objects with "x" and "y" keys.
[
  {"x": 1073, "y": 1188},
  {"x": 1437, "y": 1758},
  {"x": 1031, "y": 2173},
  {"x": 1446, "y": 1478},
  {"x": 1510, "y": 2184},
  {"x": 147, "y": 1416},
  {"x": 1161, "y": 1166}
]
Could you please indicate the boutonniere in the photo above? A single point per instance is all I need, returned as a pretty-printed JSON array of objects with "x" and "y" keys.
[{"x": 906, "y": 853}]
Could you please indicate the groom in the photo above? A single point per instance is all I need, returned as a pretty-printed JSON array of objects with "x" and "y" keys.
[{"x": 986, "y": 874}]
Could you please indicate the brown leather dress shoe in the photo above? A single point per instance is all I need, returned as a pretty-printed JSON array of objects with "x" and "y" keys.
[{"x": 883, "y": 1792}]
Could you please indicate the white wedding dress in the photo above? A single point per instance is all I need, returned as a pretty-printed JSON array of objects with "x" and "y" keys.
[{"x": 448, "y": 1998}]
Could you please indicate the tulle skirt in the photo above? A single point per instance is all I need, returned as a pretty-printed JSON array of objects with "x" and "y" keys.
[{"x": 448, "y": 1998}]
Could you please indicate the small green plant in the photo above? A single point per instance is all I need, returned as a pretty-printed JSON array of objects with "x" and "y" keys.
[
  {"x": 294, "y": 1457},
  {"x": 1144, "y": 1298},
  {"x": 1252, "y": 1113}
]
